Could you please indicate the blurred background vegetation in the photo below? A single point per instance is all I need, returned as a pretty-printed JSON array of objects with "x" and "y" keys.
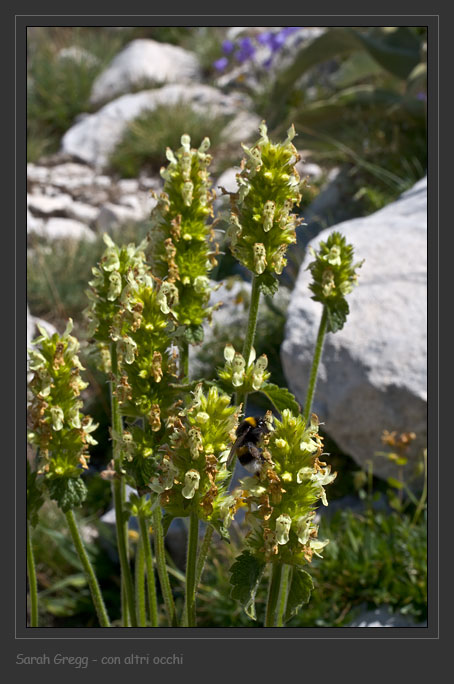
[{"x": 357, "y": 98}]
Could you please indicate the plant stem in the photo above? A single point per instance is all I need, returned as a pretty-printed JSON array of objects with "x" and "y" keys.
[
  {"x": 140, "y": 584},
  {"x": 283, "y": 595},
  {"x": 118, "y": 489},
  {"x": 151, "y": 584},
  {"x": 203, "y": 553},
  {"x": 273, "y": 594},
  {"x": 315, "y": 365},
  {"x": 191, "y": 561},
  {"x": 124, "y": 597},
  {"x": 122, "y": 552},
  {"x": 32, "y": 583},
  {"x": 422, "y": 500},
  {"x": 88, "y": 570},
  {"x": 161, "y": 566},
  {"x": 250, "y": 334},
  {"x": 184, "y": 368}
]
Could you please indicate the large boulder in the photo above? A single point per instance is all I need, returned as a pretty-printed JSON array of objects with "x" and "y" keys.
[
  {"x": 373, "y": 372},
  {"x": 94, "y": 138},
  {"x": 144, "y": 63}
]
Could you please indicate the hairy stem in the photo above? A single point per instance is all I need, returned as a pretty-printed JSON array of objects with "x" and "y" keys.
[
  {"x": 140, "y": 584},
  {"x": 32, "y": 583},
  {"x": 118, "y": 490},
  {"x": 184, "y": 367},
  {"x": 315, "y": 365},
  {"x": 88, "y": 570},
  {"x": 240, "y": 396},
  {"x": 191, "y": 562},
  {"x": 203, "y": 553},
  {"x": 151, "y": 584},
  {"x": 273, "y": 594},
  {"x": 283, "y": 595},
  {"x": 161, "y": 566},
  {"x": 123, "y": 553}
]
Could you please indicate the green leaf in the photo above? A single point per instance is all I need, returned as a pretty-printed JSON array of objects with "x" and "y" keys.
[
  {"x": 246, "y": 573},
  {"x": 280, "y": 397},
  {"x": 194, "y": 334},
  {"x": 337, "y": 315},
  {"x": 299, "y": 593},
  {"x": 166, "y": 520},
  {"x": 68, "y": 492},
  {"x": 397, "y": 52},
  {"x": 356, "y": 67},
  {"x": 394, "y": 483},
  {"x": 268, "y": 284}
]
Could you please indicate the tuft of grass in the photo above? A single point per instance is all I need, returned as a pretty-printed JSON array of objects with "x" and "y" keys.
[
  {"x": 58, "y": 88},
  {"x": 144, "y": 143}
]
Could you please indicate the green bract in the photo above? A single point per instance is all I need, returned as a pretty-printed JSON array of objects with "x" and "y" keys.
[
  {"x": 193, "y": 476},
  {"x": 262, "y": 225},
  {"x": 180, "y": 237},
  {"x": 57, "y": 427},
  {"x": 281, "y": 499},
  {"x": 334, "y": 276}
]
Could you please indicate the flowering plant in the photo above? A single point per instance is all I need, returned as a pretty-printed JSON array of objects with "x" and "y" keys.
[{"x": 174, "y": 441}]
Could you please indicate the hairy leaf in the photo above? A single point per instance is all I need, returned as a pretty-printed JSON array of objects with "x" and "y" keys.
[
  {"x": 246, "y": 573},
  {"x": 268, "y": 284},
  {"x": 337, "y": 315},
  {"x": 300, "y": 592},
  {"x": 194, "y": 334},
  {"x": 280, "y": 397},
  {"x": 68, "y": 492}
]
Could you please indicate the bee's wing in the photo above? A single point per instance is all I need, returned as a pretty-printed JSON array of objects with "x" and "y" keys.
[{"x": 235, "y": 446}]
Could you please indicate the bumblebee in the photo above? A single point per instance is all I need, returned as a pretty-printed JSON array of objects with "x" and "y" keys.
[{"x": 248, "y": 435}]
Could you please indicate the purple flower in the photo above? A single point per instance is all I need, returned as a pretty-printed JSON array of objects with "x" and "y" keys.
[
  {"x": 246, "y": 50},
  {"x": 263, "y": 38},
  {"x": 221, "y": 63},
  {"x": 421, "y": 96},
  {"x": 288, "y": 30},
  {"x": 227, "y": 47}
]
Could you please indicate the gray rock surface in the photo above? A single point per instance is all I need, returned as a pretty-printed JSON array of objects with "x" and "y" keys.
[
  {"x": 93, "y": 139},
  {"x": 373, "y": 372},
  {"x": 384, "y": 617},
  {"x": 57, "y": 228},
  {"x": 144, "y": 63}
]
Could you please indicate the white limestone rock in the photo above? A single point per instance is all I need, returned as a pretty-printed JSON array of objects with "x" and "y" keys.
[
  {"x": 57, "y": 228},
  {"x": 373, "y": 372},
  {"x": 144, "y": 63},
  {"x": 45, "y": 205}
]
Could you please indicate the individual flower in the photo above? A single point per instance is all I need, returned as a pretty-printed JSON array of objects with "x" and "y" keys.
[
  {"x": 236, "y": 373},
  {"x": 183, "y": 251},
  {"x": 193, "y": 476},
  {"x": 221, "y": 63},
  {"x": 281, "y": 499},
  {"x": 333, "y": 277},
  {"x": 228, "y": 47},
  {"x": 57, "y": 427},
  {"x": 262, "y": 224},
  {"x": 246, "y": 50}
]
